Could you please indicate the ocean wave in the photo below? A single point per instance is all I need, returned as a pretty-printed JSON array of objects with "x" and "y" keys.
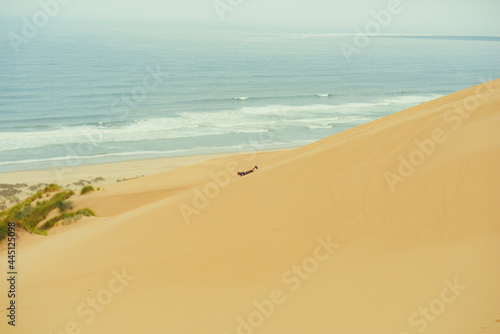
[
  {"x": 146, "y": 130},
  {"x": 392, "y": 95},
  {"x": 316, "y": 127},
  {"x": 243, "y": 120},
  {"x": 257, "y": 98},
  {"x": 412, "y": 99},
  {"x": 271, "y": 110}
]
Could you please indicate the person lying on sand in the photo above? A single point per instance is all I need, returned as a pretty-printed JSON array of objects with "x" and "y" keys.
[{"x": 248, "y": 171}]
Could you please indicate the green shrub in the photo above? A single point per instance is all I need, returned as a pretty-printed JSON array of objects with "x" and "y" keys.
[
  {"x": 26, "y": 211},
  {"x": 73, "y": 216},
  {"x": 65, "y": 206},
  {"x": 86, "y": 190},
  {"x": 51, "y": 188},
  {"x": 41, "y": 211},
  {"x": 87, "y": 212},
  {"x": 28, "y": 216},
  {"x": 37, "y": 231}
]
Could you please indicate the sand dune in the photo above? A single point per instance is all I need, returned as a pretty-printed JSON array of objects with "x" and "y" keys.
[{"x": 390, "y": 227}]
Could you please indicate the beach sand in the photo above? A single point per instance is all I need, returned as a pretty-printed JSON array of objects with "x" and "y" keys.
[
  {"x": 390, "y": 227},
  {"x": 98, "y": 175},
  {"x": 110, "y": 172}
]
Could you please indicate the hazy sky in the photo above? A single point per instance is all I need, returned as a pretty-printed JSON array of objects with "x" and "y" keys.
[{"x": 459, "y": 17}]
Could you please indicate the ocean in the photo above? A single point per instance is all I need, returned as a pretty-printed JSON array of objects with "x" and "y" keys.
[{"x": 79, "y": 94}]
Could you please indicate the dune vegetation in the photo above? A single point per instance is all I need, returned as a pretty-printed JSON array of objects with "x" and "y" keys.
[{"x": 29, "y": 213}]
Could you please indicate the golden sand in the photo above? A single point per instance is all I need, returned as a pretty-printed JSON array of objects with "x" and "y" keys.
[{"x": 392, "y": 227}]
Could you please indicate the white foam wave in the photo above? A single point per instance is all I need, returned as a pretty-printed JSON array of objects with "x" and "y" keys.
[
  {"x": 315, "y": 127},
  {"x": 411, "y": 99},
  {"x": 312, "y": 109},
  {"x": 147, "y": 130},
  {"x": 245, "y": 120}
]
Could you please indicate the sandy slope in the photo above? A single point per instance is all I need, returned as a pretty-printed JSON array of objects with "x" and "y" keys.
[{"x": 339, "y": 236}]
